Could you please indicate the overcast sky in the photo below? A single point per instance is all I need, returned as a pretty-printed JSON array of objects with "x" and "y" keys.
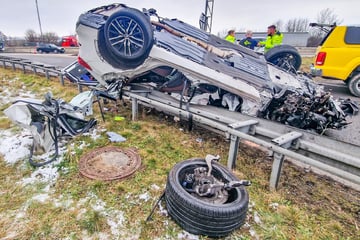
[{"x": 60, "y": 16}]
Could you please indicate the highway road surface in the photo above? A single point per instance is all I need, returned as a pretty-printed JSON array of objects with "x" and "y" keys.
[{"x": 351, "y": 133}]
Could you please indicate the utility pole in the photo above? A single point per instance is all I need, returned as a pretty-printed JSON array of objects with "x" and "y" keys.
[
  {"x": 206, "y": 18},
  {"x": 38, "y": 14}
]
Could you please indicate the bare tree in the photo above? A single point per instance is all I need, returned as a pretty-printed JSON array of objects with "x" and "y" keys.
[
  {"x": 51, "y": 37},
  {"x": 297, "y": 25},
  {"x": 31, "y": 36},
  {"x": 325, "y": 16},
  {"x": 279, "y": 25}
]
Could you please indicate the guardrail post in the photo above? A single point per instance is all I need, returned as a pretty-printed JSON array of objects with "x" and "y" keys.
[
  {"x": 61, "y": 77},
  {"x": 47, "y": 74},
  {"x": 80, "y": 89},
  {"x": 13, "y": 66},
  {"x": 4, "y": 63},
  {"x": 276, "y": 170},
  {"x": 34, "y": 69},
  {"x": 233, "y": 151},
  {"x": 24, "y": 70},
  {"x": 134, "y": 109},
  {"x": 285, "y": 141},
  {"x": 245, "y": 127}
]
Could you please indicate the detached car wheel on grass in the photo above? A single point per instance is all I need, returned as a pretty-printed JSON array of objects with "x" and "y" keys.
[
  {"x": 127, "y": 38},
  {"x": 206, "y": 202}
]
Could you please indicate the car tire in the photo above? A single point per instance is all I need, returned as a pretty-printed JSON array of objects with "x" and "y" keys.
[
  {"x": 285, "y": 57},
  {"x": 127, "y": 26},
  {"x": 354, "y": 85},
  {"x": 202, "y": 217},
  {"x": 39, "y": 51},
  {"x": 55, "y": 51}
]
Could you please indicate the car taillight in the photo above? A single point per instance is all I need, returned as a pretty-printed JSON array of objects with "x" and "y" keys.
[
  {"x": 83, "y": 63},
  {"x": 320, "y": 58}
]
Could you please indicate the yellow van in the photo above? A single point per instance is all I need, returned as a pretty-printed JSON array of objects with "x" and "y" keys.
[{"x": 338, "y": 55}]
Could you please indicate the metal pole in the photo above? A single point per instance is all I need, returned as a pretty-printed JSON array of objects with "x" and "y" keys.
[
  {"x": 209, "y": 8},
  {"x": 38, "y": 14}
]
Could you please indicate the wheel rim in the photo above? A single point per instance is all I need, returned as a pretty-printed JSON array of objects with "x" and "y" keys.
[
  {"x": 221, "y": 198},
  {"x": 126, "y": 36}
]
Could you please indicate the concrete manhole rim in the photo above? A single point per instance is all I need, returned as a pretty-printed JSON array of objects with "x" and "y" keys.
[{"x": 115, "y": 172}]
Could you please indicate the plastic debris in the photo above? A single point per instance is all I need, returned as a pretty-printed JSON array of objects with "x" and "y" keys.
[
  {"x": 118, "y": 118},
  {"x": 114, "y": 137}
]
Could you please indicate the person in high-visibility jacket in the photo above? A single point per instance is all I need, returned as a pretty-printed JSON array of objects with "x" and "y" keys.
[
  {"x": 230, "y": 36},
  {"x": 273, "y": 38}
]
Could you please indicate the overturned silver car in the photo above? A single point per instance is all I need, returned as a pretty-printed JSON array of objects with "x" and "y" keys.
[{"x": 119, "y": 43}]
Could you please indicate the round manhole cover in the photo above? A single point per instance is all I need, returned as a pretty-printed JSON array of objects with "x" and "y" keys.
[{"x": 109, "y": 163}]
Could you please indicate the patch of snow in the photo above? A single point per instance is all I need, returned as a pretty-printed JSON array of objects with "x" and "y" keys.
[
  {"x": 251, "y": 205},
  {"x": 95, "y": 133},
  {"x": 44, "y": 197},
  {"x": 15, "y": 147},
  {"x": 145, "y": 196},
  {"x": 5, "y": 96},
  {"x": 246, "y": 225},
  {"x": 114, "y": 218},
  {"x": 187, "y": 236},
  {"x": 46, "y": 174},
  {"x": 115, "y": 221},
  {"x": 274, "y": 205},
  {"x": 81, "y": 213},
  {"x": 103, "y": 236},
  {"x": 99, "y": 206},
  {"x": 63, "y": 202},
  {"x": 253, "y": 233},
  {"x": 21, "y": 214},
  {"x": 257, "y": 219},
  {"x": 49, "y": 172},
  {"x": 163, "y": 210},
  {"x": 155, "y": 187}
]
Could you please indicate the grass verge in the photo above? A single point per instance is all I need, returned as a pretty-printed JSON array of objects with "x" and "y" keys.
[{"x": 306, "y": 205}]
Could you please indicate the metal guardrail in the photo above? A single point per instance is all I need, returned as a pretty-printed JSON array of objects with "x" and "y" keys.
[
  {"x": 304, "y": 51},
  {"x": 36, "y": 68},
  {"x": 335, "y": 157}
]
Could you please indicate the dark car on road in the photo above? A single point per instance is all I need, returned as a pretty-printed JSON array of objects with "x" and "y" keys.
[{"x": 49, "y": 48}]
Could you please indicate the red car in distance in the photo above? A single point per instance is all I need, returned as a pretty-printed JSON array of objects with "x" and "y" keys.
[{"x": 69, "y": 41}]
